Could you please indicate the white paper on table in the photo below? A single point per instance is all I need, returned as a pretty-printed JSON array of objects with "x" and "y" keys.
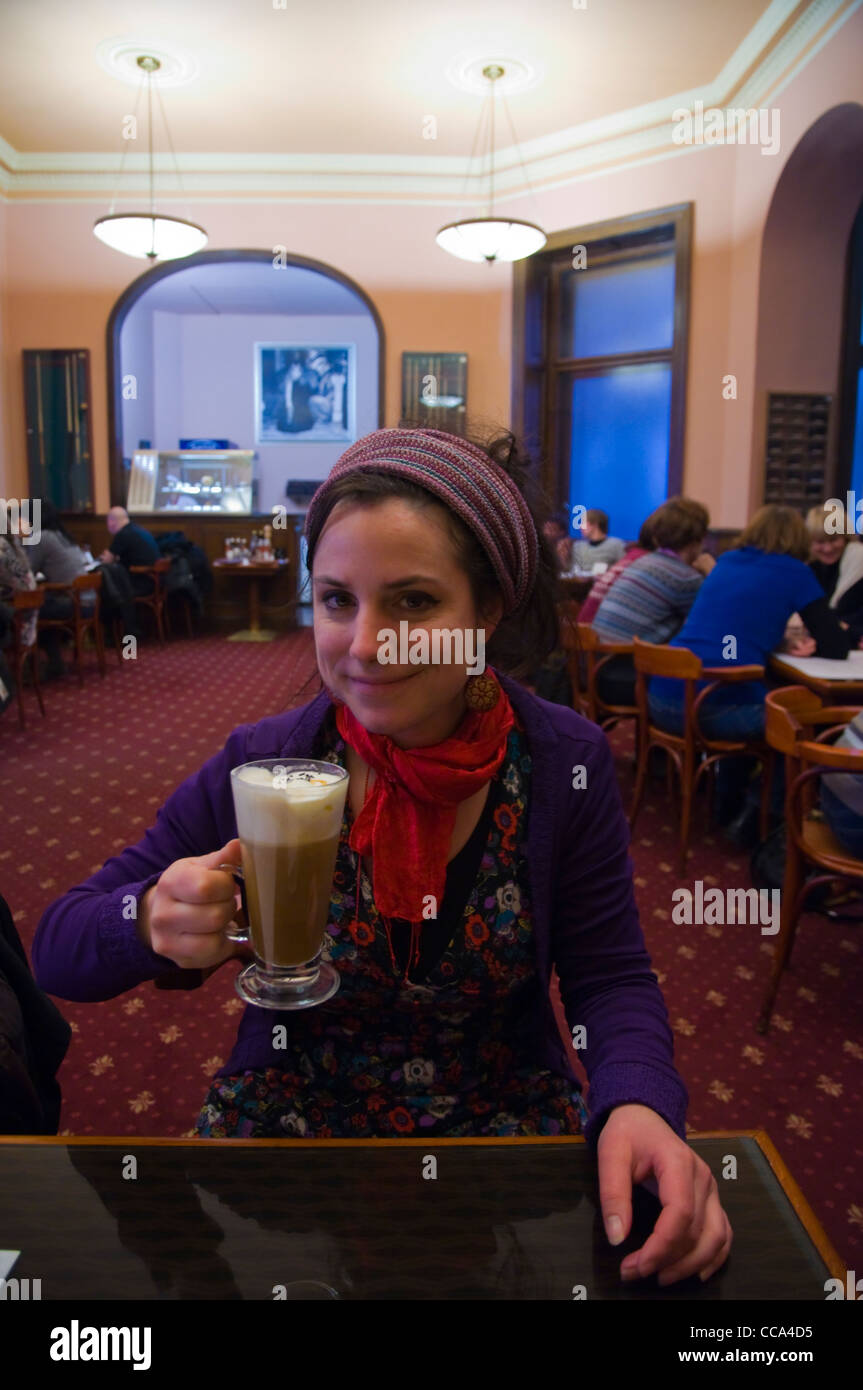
[
  {"x": 851, "y": 669},
  {"x": 7, "y": 1259}
]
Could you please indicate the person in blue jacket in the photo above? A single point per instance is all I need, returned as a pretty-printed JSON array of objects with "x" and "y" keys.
[{"x": 738, "y": 618}]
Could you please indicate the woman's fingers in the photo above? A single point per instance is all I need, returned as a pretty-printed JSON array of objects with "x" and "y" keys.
[
  {"x": 671, "y": 1237},
  {"x": 710, "y": 1252}
]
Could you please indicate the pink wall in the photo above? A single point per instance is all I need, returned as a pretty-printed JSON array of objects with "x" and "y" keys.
[
  {"x": 6, "y": 487},
  {"x": 61, "y": 283},
  {"x": 803, "y": 270}
]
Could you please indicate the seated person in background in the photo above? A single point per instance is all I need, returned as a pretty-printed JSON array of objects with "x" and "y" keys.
[
  {"x": 652, "y": 597},
  {"x": 842, "y": 793},
  {"x": 57, "y": 556},
  {"x": 837, "y": 563},
  {"x": 556, "y": 532},
  {"x": 596, "y": 548},
  {"x": 634, "y": 551},
  {"x": 15, "y": 575},
  {"x": 738, "y": 618},
  {"x": 132, "y": 545}
]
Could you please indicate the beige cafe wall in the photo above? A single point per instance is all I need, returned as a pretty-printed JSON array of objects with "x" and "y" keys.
[{"x": 59, "y": 284}]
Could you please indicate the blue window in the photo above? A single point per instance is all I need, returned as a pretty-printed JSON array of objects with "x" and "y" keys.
[{"x": 619, "y": 443}]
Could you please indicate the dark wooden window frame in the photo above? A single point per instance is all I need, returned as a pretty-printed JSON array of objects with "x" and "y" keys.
[
  {"x": 117, "y": 477},
  {"x": 535, "y": 282},
  {"x": 851, "y": 360}
]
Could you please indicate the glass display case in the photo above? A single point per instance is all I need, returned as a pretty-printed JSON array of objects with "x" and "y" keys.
[{"x": 191, "y": 480}]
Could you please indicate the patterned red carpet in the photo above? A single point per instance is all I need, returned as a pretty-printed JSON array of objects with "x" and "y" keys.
[{"x": 84, "y": 782}]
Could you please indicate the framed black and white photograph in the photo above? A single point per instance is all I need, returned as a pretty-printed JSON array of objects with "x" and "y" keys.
[{"x": 304, "y": 392}]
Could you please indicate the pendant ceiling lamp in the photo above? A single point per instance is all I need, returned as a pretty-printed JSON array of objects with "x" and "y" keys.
[
  {"x": 150, "y": 235},
  {"x": 491, "y": 238}
]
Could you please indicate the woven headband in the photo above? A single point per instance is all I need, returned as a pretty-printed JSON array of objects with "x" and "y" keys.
[{"x": 467, "y": 481}]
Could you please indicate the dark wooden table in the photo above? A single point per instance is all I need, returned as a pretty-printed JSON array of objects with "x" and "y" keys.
[
  {"x": 845, "y": 688},
  {"x": 253, "y": 572},
  {"x": 358, "y": 1220}
]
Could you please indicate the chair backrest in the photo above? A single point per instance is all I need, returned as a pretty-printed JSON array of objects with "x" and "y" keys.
[
  {"x": 88, "y": 581},
  {"x": 588, "y": 638},
  {"x": 653, "y": 660},
  {"x": 25, "y": 600},
  {"x": 567, "y": 614},
  {"x": 787, "y": 712},
  {"x": 567, "y": 617}
]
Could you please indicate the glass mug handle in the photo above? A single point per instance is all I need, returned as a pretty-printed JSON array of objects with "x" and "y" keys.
[{"x": 233, "y": 932}]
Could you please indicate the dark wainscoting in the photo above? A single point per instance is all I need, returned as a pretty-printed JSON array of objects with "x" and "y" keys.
[{"x": 227, "y": 607}]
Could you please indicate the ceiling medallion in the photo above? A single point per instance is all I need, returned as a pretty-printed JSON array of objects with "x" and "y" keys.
[
  {"x": 119, "y": 57},
  {"x": 467, "y": 69}
]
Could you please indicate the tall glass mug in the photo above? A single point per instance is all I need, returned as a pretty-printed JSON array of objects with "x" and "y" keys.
[{"x": 289, "y": 815}]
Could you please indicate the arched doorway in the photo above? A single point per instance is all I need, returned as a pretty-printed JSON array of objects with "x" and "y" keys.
[
  {"x": 203, "y": 356},
  {"x": 803, "y": 278}
]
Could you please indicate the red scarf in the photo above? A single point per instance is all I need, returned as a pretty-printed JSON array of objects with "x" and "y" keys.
[{"x": 407, "y": 820}]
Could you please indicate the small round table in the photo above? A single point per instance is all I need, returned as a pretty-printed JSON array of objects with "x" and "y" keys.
[{"x": 254, "y": 571}]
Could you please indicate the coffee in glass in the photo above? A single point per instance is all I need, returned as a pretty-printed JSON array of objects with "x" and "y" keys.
[{"x": 289, "y": 815}]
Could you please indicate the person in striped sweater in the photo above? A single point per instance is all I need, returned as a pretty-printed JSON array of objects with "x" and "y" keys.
[{"x": 653, "y": 596}]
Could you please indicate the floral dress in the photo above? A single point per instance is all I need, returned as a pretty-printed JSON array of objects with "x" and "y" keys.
[{"x": 448, "y": 1047}]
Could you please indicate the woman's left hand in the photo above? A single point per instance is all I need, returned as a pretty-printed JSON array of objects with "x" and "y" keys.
[{"x": 693, "y": 1235}]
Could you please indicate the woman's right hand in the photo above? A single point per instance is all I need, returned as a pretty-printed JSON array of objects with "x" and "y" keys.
[{"x": 184, "y": 915}]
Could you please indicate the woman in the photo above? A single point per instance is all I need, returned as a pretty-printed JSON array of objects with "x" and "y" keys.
[
  {"x": 738, "y": 618},
  {"x": 15, "y": 577},
  {"x": 505, "y": 811},
  {"x": 651, "y": 600},
  {"x": 60, "y": 559},
  {"x": 837, "y": 563},
  {"x": 601, "y": 585}
]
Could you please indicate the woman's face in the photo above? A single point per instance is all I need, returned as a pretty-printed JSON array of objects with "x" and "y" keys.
[
  {"x": 827, "y": 549},
  {"x": 375, "y": 567}
]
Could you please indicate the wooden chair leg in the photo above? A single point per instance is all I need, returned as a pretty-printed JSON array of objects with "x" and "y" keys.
[
  {"x": 118, "y": 639},
  {"x": 37, "y": 685},
  {"x": 767, "y": 769},
  {"x": 789, "y": 912},
  {"x": 188, "y": 608},
  {"x": 686, "y": 791}
]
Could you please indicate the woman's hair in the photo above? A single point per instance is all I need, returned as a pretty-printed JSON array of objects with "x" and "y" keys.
[
  {"x": 520, "y": 643},
  {"x": 778, "y": 531},
  {"x": 816, "y": 524},
  {"x": 677, "y": 523},
  {"x": 51, "y": 522}
]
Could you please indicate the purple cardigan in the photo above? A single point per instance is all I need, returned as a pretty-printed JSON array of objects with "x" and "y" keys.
[{"x": 584, "y": 915}]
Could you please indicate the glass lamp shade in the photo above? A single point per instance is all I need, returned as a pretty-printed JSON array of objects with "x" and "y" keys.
[
  {"x": 491, "y": 239},
  {"x": 148, "y": 236}
]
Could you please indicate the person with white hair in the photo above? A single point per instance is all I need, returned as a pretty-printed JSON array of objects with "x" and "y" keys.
[{"x": 837, "y": 563}]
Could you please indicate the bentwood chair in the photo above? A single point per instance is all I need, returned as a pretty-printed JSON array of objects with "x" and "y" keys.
[
  {"x": 794, "y": 714},
  {"x": 597, "y": 655},
  {"x": 692, "y": 753},
  {"x": 80, "y": 623},
  {"x": 154, "y": 601},
  {"x": 24, "y": 603}
]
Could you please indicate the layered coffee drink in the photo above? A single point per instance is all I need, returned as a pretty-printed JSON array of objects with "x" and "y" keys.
[{"x": 288, "y": 821}]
